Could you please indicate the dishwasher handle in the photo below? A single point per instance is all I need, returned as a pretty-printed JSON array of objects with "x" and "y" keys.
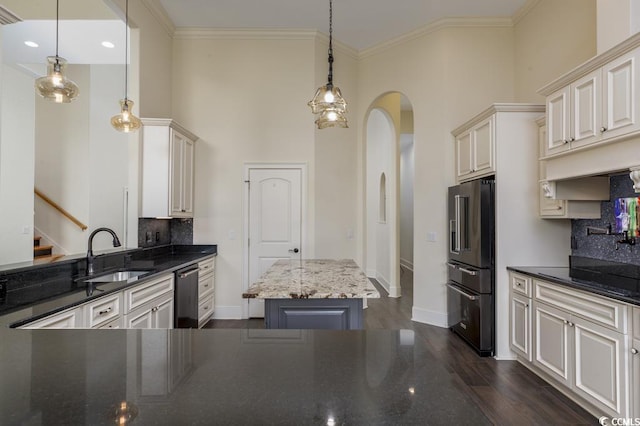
[{"x": 185, "y": 274}]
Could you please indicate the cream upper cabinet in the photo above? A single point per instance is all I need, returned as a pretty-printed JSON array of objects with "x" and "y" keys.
[
  {"x": 475, "y": 156},
  {"x": 595, "y": 103},
  {"x": 167, "y": 152},
  {"x": 550, "y": 207}
]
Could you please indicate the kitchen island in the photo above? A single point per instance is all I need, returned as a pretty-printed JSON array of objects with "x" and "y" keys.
[{"x": 313, "y": 294}]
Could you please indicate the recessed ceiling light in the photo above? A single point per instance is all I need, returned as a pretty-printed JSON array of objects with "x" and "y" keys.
[
  {"x": 108, "y": 44},
  {"x": 31, "y": 43}
]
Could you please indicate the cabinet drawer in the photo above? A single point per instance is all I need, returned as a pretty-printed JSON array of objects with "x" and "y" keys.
[
  {"x": 103, "y": 310},
  {"x": 114, "y": 324},
  {"x": 521, "y": 284},
  {"x": 206, "y": 266},
  {"x": 205, "y": 286},
  {"x": 205, "y": 310},
  {"x": 636, "y": 323},
  {"x": 600, "y": 310},
  {"x": 143, "y": 293},
  {"x": 65, "y": 319}
]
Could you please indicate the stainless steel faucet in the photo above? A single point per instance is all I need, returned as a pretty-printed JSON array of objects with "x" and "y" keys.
[{"x": 116, "y": 243}]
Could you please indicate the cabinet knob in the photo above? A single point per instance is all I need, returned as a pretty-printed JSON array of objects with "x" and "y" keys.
[
  {"x": 566, "y": 322},
  {"x": 603, "y": 129},
  {"x": 154, "y": 309},
  {"x": 571, "y": 324},
  {"x": 526, "y": 305},
  {"x": 566, "y": 141},
  {"x": 634, "y": 351}
]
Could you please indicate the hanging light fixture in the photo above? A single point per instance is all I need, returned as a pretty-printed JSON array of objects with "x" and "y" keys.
[
  {"x": 328, "y": 100},
  {"x": 55, "y": 86},
  {"x": 126, "y": 121}
]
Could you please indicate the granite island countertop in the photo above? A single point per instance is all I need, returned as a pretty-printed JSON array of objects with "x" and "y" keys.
[
  {"x": 312, "y": 279},
  {"x": 228, "y": 377}
]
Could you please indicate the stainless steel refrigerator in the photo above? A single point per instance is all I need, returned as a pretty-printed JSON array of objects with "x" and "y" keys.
[{"x": 470, "y": 265}]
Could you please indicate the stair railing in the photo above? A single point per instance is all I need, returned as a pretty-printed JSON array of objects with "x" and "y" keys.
[{"x": 60, "y": 209}]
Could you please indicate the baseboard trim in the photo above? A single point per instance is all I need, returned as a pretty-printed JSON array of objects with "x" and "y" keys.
[
  {"x": 384, "y": 283},
  {"x": 406, "y": 264},
  {"x": 227, "y": 312},
  {"x": 425, "y": 316}
]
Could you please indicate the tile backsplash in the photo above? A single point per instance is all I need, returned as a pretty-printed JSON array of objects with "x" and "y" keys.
[
  {"x": 157, "y": 232},
  {"x": 604, "y": 246}
]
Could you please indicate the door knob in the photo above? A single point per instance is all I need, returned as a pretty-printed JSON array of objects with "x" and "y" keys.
[{"x": 295, "y": 250}]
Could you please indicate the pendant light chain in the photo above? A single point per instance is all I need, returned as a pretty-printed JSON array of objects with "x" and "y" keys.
[
  {"x": 126, "y": 49},
  {"x": 57, "y": 20},
  {"x": 330, "y": 77}
]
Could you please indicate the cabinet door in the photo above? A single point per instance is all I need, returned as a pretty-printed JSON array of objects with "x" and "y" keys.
[
  {"x": 187, "y": 177},
  {"x": 464, "y": 155},
  {"x": 586, "y": 109},
  {"x": 483, "y": 142},
  {"x": 177, "y": 173},
  {"x": 521, "y": 326},
  {"x": 558, "y": 121},
  {"x": 552, "y": 342},
  {"x": 601, "y": 371},
  {"x": 635, "y": 378},
  {"x": 620, "y": 111},
  {"x": 162, "y": 311},
  {"x": 142, "y": 318}
]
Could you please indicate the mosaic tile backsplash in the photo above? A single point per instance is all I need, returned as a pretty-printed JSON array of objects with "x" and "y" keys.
[
  {"x": 604, "y": 246},
  {"x": 158, "y": 232}
]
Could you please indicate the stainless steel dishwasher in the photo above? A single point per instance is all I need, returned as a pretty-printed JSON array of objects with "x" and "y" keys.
[{"x": 186, "y": 298}]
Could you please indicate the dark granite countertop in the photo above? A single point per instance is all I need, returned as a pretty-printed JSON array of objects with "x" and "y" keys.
[
  {"x": 36, "y": 292},
  {"x": 228, "y": 377},
  {"x": 614, "y": 280}
]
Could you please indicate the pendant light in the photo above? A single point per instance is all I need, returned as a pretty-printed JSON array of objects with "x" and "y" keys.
[
  {"x": 126, "y": 121},
  {"x": 55, "y": 86},
  {"x": 328, "y": 100}
]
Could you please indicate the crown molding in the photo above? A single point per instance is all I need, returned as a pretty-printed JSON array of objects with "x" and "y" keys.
[
  {"x": 196, "y": 33},
  {"x": 438, "y": 25},
  {"x": 524, "y": 10},
  {"x": 339, "y": 46},
  {"x": 160, "y": 15},
  {"x": 7, "y": 16},
  {"x": 498, "y": 107}
]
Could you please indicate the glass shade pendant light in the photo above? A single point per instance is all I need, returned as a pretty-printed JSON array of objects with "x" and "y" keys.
[
  {"x": 55, "y": 86},
  {"x": 126, "y": 121},
  {"x": 328, "y": 100}
]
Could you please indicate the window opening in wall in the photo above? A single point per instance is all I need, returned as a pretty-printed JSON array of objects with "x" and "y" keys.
[{"x": 382, "y": 215}]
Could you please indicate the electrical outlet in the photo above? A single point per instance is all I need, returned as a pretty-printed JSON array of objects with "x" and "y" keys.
[
  {"x": 148, "y": 236},
  {"x": 432, "y": 237},
  {"x": 157, "y": 236}
]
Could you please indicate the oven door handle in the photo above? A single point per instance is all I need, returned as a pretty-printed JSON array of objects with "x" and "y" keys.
[
  {"x": 464, "y": 293},
  {"x": 468, "y": 271}
]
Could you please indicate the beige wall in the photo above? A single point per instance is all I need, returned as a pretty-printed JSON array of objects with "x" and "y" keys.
[
  {"x": 553, "y": 38},
  {"x": 617, "y": 21},
  {"x": 246, "y": 100},
  {"x": 448, "y": 76}
]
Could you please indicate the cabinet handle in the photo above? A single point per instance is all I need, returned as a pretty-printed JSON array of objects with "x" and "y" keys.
[
  {"x": 634, "y": 351},
  {"x": 603, "y": 129},
  {"x": 468, "y": 271},
  {"x": 206, "y": 308},
  {"x": 106, "y": 311},
  {"x": 206, "y": 285},
  {"x": 183, "y": 210}
]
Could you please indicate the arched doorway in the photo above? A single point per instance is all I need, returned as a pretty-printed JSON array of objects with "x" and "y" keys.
[{"x": 389, "y": 192}]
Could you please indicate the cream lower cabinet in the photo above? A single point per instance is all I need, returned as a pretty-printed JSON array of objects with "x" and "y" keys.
[
  {"x": 206, "y": 289},
  {"x": 71, "y": 318},
  {"x": 520, "y": 324},
  {"x": 150, "y": 305},
  {"x": 580, "y": 343},
  {"x": 635, "y": 364},
  {"x": 146, "y": 305}
]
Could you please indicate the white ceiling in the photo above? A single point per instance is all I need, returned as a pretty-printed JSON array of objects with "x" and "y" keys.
[{"x": 357, "y": 23}]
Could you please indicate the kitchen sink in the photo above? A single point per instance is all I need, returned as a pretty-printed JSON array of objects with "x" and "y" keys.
[{"x": 117, "y": 277}]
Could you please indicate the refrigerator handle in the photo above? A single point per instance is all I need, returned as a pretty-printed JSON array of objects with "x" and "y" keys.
[{"x": 456, "y": 247}]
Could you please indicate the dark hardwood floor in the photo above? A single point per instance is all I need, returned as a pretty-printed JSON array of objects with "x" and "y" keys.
[{"x": 507, "y": 392}]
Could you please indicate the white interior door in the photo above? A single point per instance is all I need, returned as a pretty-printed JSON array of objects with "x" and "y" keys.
[{"x": 275, "y": 218}]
